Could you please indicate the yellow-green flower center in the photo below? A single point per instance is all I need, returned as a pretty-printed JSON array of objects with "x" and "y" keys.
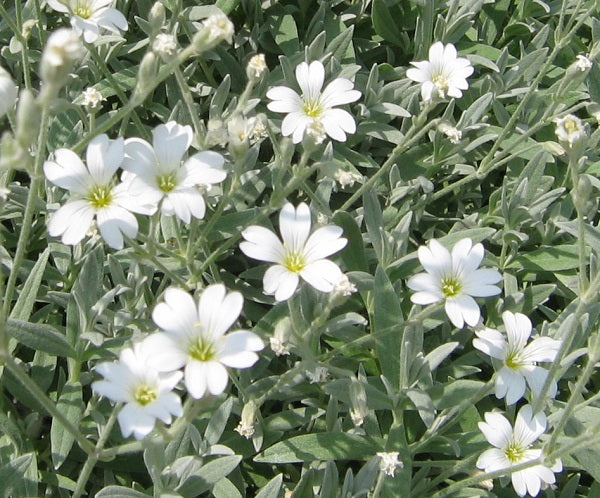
[
  {"x": 294, "y": 261},
  {"x": 167, "y": 182},
  {"x": 514, "y": 452},
  {"x": 513, "y": 360},
  {"x": 441, "y": 83},
  {"x": 571, "y": 126},
  {"x": 100, "y": 196},
  {"x": 83, "y": 10},
  {"x": 450, "y": 287},
  {"x": 145, "y": 394},
  {"x": 202, "y": 350},
  {"x": 312, "y": 109}
]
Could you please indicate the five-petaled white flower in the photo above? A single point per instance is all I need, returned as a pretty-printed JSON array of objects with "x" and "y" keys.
[
  {"x": 156, "y": 172},
  {"x": 454, "y": 278},
  {"x": 94, "y": 194},
  {"x": 314, "y": 109},
  {"x": 91, "y": 15},
  {"x": 518, "y": 358},
  {"x": 512, "y": 447},
  {"x": 195, "y": 337},
  {"x": 147, "y": 393},
  {"x": 443, "y": 75},
  {"x": 300, "y": 254},
  {"x": 389, "y": 462}
]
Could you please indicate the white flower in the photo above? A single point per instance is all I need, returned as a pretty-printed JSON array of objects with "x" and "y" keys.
[
  {"x": 219, "y": 28},
  {"x": 195, "y": 337},
  {"x": 92, "y": 98},
  {"x": 444, "y": 74},
  {"x": 156, "y": 171},
  {"x": 583, "y": 63},
  {"x": 256, "y": 67},
  {"x": 518, "y": 358},
  {"x": 8, "y": 92},
  {"x": 570, "y": 130},
  {"x": 94, "y": 194},
  {"x": 91, "y": 15},
  {"x": 389, "y": 462},
  {"x": 512, "y": 447},
  {"x": 239, "y": 130},
  {"x": 314, "y": 106},
  {"x": 147, "y": 393},
  {"x": 346, "y": 178},
  {"x": 300, "y": 255},
  {"x": 164, "y": 44},
  {"x": 453, "y": 134},
  {"x": 454, "y": 278},
  {"x": 318, "y": 375}
]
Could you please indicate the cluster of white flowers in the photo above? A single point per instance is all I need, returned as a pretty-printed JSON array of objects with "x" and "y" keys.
[
  {"x": 455, "y": 278},
  {"x": 153, "y": 178},
  {"x": 194, "y": 337}
]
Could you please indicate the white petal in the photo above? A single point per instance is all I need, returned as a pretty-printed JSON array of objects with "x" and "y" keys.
[
  {"x": 178, "y": 314},
  {"x": 216, "y": 377},
  {"x": 467, "y": 307},
  {"x": 426, "y": 297},
  {"x": 322, "y": 274},
  {"x": 466, "y": 257},
  {"x": 519, "y": 482},
  {"x": 496, "y": 429},
  {"x": 491, "y": 342},
  {"x": 280, "y": 281},
  {"x": 72, "y": 221},
  {"x": 111, "y": 390},
  {"x": 135, "y": 195},
  {"x": 164, "y": 353},
  {"x": 323, "y": 242},
  {"x": 133, "y": 419},
  {"x": 436, "y": 52},
  {"x": 88, "y": 29},
  {"x": 68, "y": 172},
  {"x": 528, "y": 428},
  {"x": 103, "y": 157},
  {"x": 310, "y": 79},
  {"x": 427, "y": 90},
  {"x": 187, "y": 202},
  {"x": 170, "y": 142},
  {"x": 204, "y": 168},
  {"x": 165, "y": 406},
  {"x": 492, "y": 460},
  {"x": 518, "y": 329},
  {"x": 425, "y": 282},
  {"x": 340, "y": 91},
  {"x": 435, "y": 258},
  {"x": 112, "y": 20},
  {"x": 536, "y": 378},
  {"x": 301, "y": 121},
  {"x": 58, "y": 6},
  {"x": 541, "y": 349},
  {"x": 262, "y": 244},
  {"x": 420, "y": 73},
  {"x": 140, "y": 158},
  {"x": 195, "y": 378},
  {"x": 510, "y": 384},
  {"x": 336, "y": 122},
  {"x": 236, "y": 349},
  {"x": 284, "y": 100},
  {"x": 113, "y": 222},
  {"x": 219, "y": 309},
  {"x": 294, "y": 225}
]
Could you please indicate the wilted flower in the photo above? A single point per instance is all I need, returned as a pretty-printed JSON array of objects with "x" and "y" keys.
[
  {"x": 344, "y": 287},
  {"x": 246, "y": 426},
  {"x": 195, "y": 337},
  {"x": 256, "y": 67},
  {"x": 318, "y": 375},
  {"x": 454, "y": 278},
  {"x": 583, "y": 63},
  {"x": 389, "y": 462},
  {"x": 300, "y": 255},
  {"x": 453, "y": 134},
  {"x": 346, "y": 178},
  {"x": 314, "y": 111},
  {"x": 89, "y": 16},
  {"x": 148, "y": 394},
  {"x": 92, "y": 98},
  {"x": 156, "y": 171},
  {"x": 512, "y": 447},
  {"x": 94, "y": 194},
  {"x": 443, "y": 75},
  {"x": 164, "y": 44},
  {"x": 219, "y": 28},
  {"x": 518, "y": 358},
  {"x": 8, "y": 92},
  {"x": 570, "y": 130}
]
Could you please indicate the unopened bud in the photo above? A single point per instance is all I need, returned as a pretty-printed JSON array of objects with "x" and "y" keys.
[
  {"x": 146, "y": 75},
  {"x": 246, "y": 426},
  {"x": 239, "y": 130},
  {"x": 358, "y": 401},
  {"x": 279, "y": 342},
  {"x": 27, "y": 27},
  {"x": 63, "y": 49},
  {"x": 157, "y": 17},
  {"x": 256, "y": 67},
  {"x": 28, "y": 119},
  {"x": 214, "y": 29},
  {"x": 8, "y": 92}
]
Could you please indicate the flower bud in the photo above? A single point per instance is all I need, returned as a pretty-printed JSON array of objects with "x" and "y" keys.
[
  {"x": 358, "y": 401},
  {"x": 279, "y": 342},
  {"x": 215, "y": 29},
  {"x": 246, "y": 426},
  {"x": 239, "y": 130},
  {"x": 62, "y": 50},
  {"x": 157, "y": 17},
  {"x": 28, "y": 119},
  {"x": 146, "y": 75},
  {"x": 8, "y": 92}
]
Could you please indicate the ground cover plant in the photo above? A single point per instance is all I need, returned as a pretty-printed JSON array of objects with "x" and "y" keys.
[{"x": 299, "y": 248}]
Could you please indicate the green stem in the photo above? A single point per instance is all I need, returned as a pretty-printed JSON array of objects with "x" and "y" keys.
[
  {"x": 25, "y": 47},
  {"x": 45, "y": 401},
  {"x": 23, "y": 242},
  {"x": 579, "y": 203},
  {"x": 188, "y": 99},
  {"x": 92, "y": 458}
]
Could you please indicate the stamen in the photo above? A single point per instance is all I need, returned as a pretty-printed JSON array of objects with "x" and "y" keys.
[
  {"x": 294, "y": 261},
  {"x": 201, "y": 349},
  {"x": 450, "y": 287},
  {"x": 100, "y": 196},
  {"x": 145, "y": 394},
  {"x": 166, "y": 182}
]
